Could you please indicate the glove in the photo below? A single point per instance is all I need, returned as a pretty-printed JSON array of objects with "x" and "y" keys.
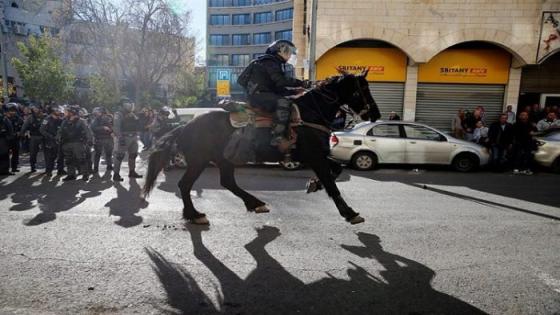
[{"x": 307, "y": 84}]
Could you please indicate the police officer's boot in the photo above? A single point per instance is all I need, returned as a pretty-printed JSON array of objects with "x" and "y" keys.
[
  {"x": 132, "y": 166},
  {"x": 280, "y": 129}
]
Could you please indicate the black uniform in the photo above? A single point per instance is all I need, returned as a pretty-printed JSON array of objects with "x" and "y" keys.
[
  {"x": 6, "y": 134},
  {"x": 49, "y": 130},
  {"x": 266, "y": 88},
  {"x": 14, "y": 143},
  {"x": 103, "y": 140},
  {"x": 33, "y": 125}
]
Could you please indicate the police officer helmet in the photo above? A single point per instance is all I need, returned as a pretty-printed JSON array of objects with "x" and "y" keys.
[
  {"x": 281, "y": 46},
  {"x": 127, "y": 105},
  {"x": 100, "y": 110},
  {"x": 73, "y": 109},
  {"x": 11, "y": 107},
  {"x": 83, "y": 112},
  {"x": 54, "y": 110}
]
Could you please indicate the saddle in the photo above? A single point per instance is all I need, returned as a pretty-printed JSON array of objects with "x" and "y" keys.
[{"x": 251, "y": 140}]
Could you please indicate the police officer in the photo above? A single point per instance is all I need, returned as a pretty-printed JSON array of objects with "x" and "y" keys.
[
  {"x": 49, "y": 130},
  {"x": 265, "y": 80},
  {"x": 33, "y": 125},
  {"x": 6, "y": 135},
  {"x": 125, "y": 127},
  {"x": 163, "y": 123},
  {"x": 84, "y": 115},
  {"x": 14, "y": 143},
  {"x": 74, "y": 135},
  {"x": 102, "y": 128}
]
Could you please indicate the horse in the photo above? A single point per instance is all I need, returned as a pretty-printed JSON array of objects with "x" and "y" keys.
[{"x": 204, "y": 138}]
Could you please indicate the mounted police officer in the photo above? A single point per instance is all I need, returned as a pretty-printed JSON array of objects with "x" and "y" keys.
[
  {"x": 14, "y": 143},
  {"x": 49, "y": 130},
  {"x": 74, "y": 135},
  {"x": 102, "y": 128},
  {"x": 6, "y": 135},
  {"x": 36, "y": 140},
  {"x": 126, "y": 126},
  {"x": 266, "y": 81}
]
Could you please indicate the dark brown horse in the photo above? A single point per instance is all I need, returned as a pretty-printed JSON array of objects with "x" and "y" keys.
[{"x": 203, "y": 140}]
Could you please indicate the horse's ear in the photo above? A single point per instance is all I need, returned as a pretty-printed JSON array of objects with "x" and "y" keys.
[
  {"x": 341, "y": 71},
  {"x": 364, "y": 73}
]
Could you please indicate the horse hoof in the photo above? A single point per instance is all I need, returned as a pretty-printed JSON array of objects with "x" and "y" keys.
[
  {"x": 313, "y": 186},
  {"x": 262, "y": 209},
  {"x": 356, "y": 220},
  {"x": 200, "y": 221}
]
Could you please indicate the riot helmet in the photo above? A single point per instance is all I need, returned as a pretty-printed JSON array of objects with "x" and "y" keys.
[{"x": 283, "y": 48}]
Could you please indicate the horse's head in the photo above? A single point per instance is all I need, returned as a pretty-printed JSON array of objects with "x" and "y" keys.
[{"x": 353, "y": 90}]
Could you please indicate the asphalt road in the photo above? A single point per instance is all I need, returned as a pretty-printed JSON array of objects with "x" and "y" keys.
[{"x": 434, "y": 242}]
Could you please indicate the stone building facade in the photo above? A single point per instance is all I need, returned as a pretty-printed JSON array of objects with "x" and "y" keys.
[{"x": 448, "y": 53}]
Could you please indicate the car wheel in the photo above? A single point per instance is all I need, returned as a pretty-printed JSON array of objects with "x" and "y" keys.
[
  {"x": 291, "y": 166},
  {"x": 179, "y": 160},
  {"x": 465, "y": 163},
  {"x": 364, "y": 161},
  {"x": 556, "y": 165}
]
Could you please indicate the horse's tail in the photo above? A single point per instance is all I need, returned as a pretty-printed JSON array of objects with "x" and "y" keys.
[{"x": 159, "y": 158}]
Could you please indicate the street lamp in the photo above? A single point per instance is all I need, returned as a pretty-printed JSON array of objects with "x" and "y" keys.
[{"x": 313, "y": 41}]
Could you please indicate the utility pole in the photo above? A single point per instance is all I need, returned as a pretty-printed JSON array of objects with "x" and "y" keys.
[
  {"x": 313, "y": 44},
  {"x": 3, "y": 52}
]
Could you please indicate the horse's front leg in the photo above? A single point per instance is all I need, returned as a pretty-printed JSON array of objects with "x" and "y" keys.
[{"x": 322, "y": 169}]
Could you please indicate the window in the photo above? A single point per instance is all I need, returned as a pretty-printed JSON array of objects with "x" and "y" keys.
[
  {"x": 286, "y": 14},
  {"x": 220, "y": 60},
  {"x": 263, "y": 17},
  {"x": 261, "y": 38},
  {"x": 212, "y": 77},
  {"x": 241, "y": 3},
  {"x": 287, "y": 35},
  {"x": 240, "y": 60},
  {"x": 219, "y": 40},
  {"x": 422, "y": 133},
  {"x": 261, "y": 2},
  {"x": 220, "y": 19},
  {"x": 240, "y": 39},
  {"x": 240, "y": 19},
  {"x": 388, "y": 131},
  {"x": 218, "y": 3}
]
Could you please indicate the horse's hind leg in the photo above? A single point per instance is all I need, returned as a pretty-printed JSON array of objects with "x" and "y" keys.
[
  {"x": 227, "y": 180},
  {"x": 314, "y": 184},
  {"x": 194, "y": 169},
  {"x": 322, "y": 169}
]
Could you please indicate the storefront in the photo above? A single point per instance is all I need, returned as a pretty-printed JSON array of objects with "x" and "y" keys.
[
  {"x": 461, "y": 78},
  {"x": 387, "y": 72}
]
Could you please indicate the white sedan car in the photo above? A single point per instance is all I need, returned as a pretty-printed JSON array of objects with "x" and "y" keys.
[{"x": 397, "y": 142}]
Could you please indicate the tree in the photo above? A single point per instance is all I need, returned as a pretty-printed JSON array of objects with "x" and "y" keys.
[
  {"x": 44, "y": 76},
  {"x": 188, "y": 89},
  {"x": 141, "y": 42},
  {"x": 103, "y": 92}
]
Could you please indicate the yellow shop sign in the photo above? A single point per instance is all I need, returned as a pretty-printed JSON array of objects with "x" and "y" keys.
[
  {"x": 384, "y": 64},
  {"x": 478, "y": 66}
]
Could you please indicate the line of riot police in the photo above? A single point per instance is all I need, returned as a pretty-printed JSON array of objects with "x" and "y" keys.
[{"x": 71, "y": 139}]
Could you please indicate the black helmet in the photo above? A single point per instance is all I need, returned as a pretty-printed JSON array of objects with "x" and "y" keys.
[
  {"x": 99, "y": 109},
  {"x": 73, "y": 109},
  {"x": 281, "y": 46},
  {"x": 11, "y": 107}
]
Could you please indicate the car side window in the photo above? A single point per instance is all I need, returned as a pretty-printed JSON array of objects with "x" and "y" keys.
[
  {"x": 421, "y": 133},
  {"x": 387, "y": 131}
]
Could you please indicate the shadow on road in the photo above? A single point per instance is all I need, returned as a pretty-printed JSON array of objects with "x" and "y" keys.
[
  {"x": 403, "y": 287},
  {"x": 127, "y": 204},
  {"x": 50, "y": 197},
  {"x": 501, "y": 184}
]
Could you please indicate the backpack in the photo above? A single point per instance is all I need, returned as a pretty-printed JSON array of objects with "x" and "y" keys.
[{"x": 245, "y": 76}]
